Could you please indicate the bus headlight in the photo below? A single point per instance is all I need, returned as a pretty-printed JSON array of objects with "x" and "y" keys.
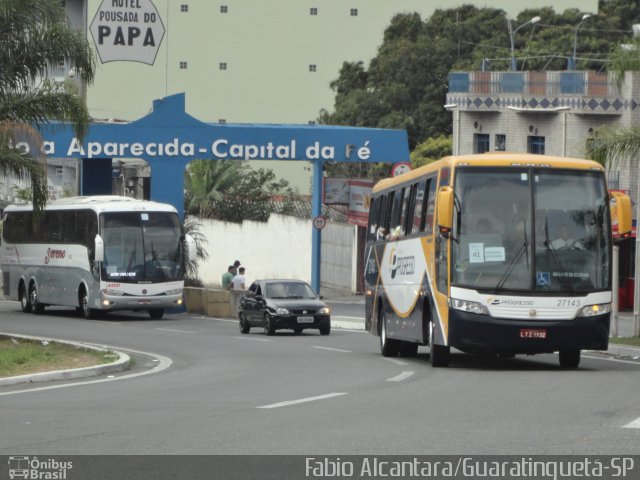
[
  {"x": 175, "y": 291},
  {"x": 593, "y": 310},
  {"x": 112, "y": 293},
  {"x": 468, "y": 306}
]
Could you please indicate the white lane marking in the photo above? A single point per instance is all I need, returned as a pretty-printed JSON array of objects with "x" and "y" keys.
[
  {"x": 218, "y": 319},
  {"x": 111, "y": 323},
  {"x": 302, "y": 400},
  {"x": 163, "y": 364},
  {"x": 634, "y": 424},
  {"x": 332, "y": 349},
  {"x": 397, "y": 362},
  {"x": 361, "y": 319},
  {"x": 254, "y": 339},
  {"x": 399, "y": 378},
  {"x": 175, "y": 331}
]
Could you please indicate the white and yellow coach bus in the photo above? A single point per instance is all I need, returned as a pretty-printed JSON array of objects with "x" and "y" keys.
[
  {"x": 496, "y": 253},
  {"x": 98, "y": 254}
]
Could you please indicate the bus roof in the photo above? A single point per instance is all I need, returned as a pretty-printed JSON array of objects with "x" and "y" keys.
[
  {"x": 491, "y": 159},
  {"x": 99, "y": 203}
]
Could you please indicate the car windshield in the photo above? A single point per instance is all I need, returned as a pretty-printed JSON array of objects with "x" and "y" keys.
[
  {"x": 294, "y": 290},
  {"x": 531, "y": 229}
]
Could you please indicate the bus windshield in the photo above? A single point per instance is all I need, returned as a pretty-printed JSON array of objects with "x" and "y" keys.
[
  {"x": 141, "y": 247},
  {"x": 530, "y": 229}
]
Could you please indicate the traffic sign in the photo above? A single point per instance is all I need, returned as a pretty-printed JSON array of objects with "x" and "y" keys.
[
  {"x": 319, "y": 222},
  {"x": 400, "y": 168}
]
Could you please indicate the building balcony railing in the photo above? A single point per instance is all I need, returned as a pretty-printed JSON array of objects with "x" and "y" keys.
[{"x": 579, "y": 91}]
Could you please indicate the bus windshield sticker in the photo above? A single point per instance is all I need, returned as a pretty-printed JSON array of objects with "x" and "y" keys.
[
  {"x": 543, "y": 279},
  {"x": 524, "y": 177},
  {"x": 494, "y": 254},
  {"x": 144, "y": 217},
  {"x": 476, "y": 252}
]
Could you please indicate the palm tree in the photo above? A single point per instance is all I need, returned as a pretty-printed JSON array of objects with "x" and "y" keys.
[
  {"x": 34, "y": 35},
  {"x": 207, "y": 181}
]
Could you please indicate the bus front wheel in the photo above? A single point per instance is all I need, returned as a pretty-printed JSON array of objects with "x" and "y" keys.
[
  {"x": 570, "y": 358},
  {"x": 440, "y": 355},
  {"x": 88, "y": 313}
]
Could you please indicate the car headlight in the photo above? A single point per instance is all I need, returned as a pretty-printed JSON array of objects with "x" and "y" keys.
[
  {"x": 593, "y": 310},
  {"x": 282, "y": 311},
  {"x": 175, "y": 291},
  {"x": 468, "y": 306},
  {"x": 113, "y": 293},
  {"x": 324, "y": 311}
]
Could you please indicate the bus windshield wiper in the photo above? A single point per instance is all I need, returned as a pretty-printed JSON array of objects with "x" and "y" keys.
[{"x": 524, "y": 249}]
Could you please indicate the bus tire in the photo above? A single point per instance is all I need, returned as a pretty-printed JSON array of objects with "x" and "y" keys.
[
  {"x": 389, "y": 347},
  {"x": 569, "y": 358},
  {"x": 36, "y": 307},
  {"x": 440, "y": 355},
  {"x": 156, "y": 313},
  {"x": 25, "y": 304},
  {"x": 408, "y": 349},
  {"x": 88, "y": 313}
]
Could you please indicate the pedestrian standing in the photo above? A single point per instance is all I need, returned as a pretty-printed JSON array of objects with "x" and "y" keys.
[
  {"x": 227, "y": 278},
  {"x": 239, "y": 280},
  {"x": 236, "y": 264}
]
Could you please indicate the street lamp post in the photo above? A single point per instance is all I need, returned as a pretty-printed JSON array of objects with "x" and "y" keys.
[
  {"x": 572, "y": 60},
  {"x": 512, "y": 34}
]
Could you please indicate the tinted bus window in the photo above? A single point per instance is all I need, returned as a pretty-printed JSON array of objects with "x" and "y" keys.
[
  {"x": 373, "y": 218},
  {"x": 418, "y": 218},
  {"x": 431, "y": 206}
]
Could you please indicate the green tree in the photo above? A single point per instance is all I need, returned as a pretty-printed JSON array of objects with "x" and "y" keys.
[
  {"x": 34, "y": 35},
  {"x": 206, "y": 182},
  {"x": 431, "y": 150}
]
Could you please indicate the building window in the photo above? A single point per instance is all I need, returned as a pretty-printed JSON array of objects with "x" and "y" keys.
[
  {"x": 354, "y": 12},
  {"x": 312, "y": 68},
  {"x": 224, "y": 9},
  {"x": 480, "y": 142},
  {"x": 222, "y": 120},
  {"x": 313, "y": 11},
  {"x": 223, "y": 66},
  {"x": 184, "y": 8},
  {"x": 183, "y": 65},
  {"x": 501, "y": 142},
  {"x": 312, "y": 122},
  {"x": 535, "y": 144}
]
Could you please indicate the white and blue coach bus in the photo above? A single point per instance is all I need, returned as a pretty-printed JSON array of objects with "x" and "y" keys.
[{"x": 98, "y": 254}]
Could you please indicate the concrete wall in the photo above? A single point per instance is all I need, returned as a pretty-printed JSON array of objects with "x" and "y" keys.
[{"x": 279, "y": 248}]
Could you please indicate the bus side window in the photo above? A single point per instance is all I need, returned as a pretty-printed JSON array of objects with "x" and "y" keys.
[
  {"x": 428, "y": 218},
  {"x": 373, "y": 218},
  {"x": 418, "y": 218},
  {"x": 395, "y": 213}
]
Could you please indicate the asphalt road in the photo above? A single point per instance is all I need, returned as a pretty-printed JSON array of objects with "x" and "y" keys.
[{"x": 220, "y": 392}]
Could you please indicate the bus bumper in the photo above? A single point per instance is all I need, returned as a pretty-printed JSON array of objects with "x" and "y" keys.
[
  {"x": 481, "y": 333},
  {"x": 111, "y": 302}
]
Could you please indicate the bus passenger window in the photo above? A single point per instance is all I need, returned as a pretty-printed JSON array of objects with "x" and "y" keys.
[
  {"x": 431, "y": 207},
  {"x": 373, "y": 218},
  {"x": 418, "y": 203},
  {"x": 396, "y": 211}
]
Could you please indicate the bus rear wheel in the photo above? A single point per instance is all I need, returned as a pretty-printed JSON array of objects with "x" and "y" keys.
[
  {"x": 36, "y": 307},
  {"x": 25, "y": 304},
  {"x": 388, "y": 346},
  {"x": 440, "y": 355},
  {"x": 156, "y": 313},
  {"x": 570, "y": 358}
]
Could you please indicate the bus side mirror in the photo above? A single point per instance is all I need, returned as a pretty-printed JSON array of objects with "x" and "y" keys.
[
  {"x": 620, "y": 205},
  {"x": 99, "y": 249},
  {"x": 445, "y": 210},
  {"x": 192, "y": 251}
]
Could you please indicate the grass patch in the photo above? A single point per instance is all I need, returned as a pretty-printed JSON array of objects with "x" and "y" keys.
[
  {"x": 19, "y": 356},
  {"x": 626, "y": 341}
]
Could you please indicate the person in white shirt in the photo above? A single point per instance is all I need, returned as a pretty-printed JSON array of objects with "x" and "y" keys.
[
  {"x": 565, "y": 240},
  {"x": 239, "y": 280}
]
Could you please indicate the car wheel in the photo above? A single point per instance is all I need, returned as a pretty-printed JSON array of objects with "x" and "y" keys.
[
  {"x": 570, "y": 358},
  {"x": 25, "y": 304},
  {"x": 244, "y": 325},
  {"x": 269, "y": 325},
  {"x": 388, "y": 346},
  {"x": 440, "y": 355},
  {"x": 325, "y": 328},
  {"x": 36, "y": 307},
  {"x": 156, "y": 313}
]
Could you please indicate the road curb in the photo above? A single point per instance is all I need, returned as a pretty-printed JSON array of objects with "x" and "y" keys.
[
  {"x": 620, "y": 350},
  {"x": 122, "y": 363}
]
